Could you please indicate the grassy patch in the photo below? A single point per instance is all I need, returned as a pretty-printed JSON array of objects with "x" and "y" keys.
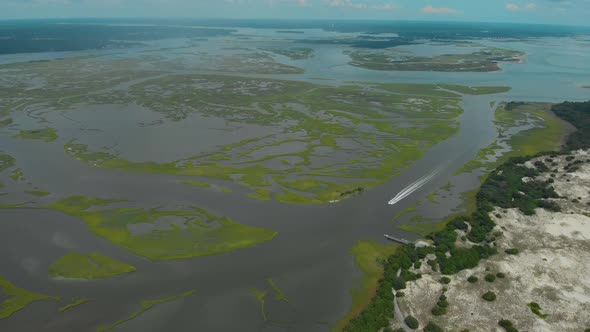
[
  {"x": 294, "y": 53},
  {"x": 45, "y": 134},
  {"x": 197, "y": 184},
  {"x": 74, "y": 303},
  {"x": 536, "y": 309},
  {"x": 369, "y": 256},
  {"x": 196, "y": 232},
  {"x": 547, "y": 135},
  {"x": 484, "y": 60},
  {"x": 18, "y": 298},
  {"x": 225, "y": 190},
  {"x": 261, "y": 194},
  {"x": 5, "y": 122},
  {"x": 432, "y": 197},
  {"x": 483, "y": 159},
  {"x": 260, "y": 295},
  {"x": 292, "y": 197},
  {"x": 280, "y": 295},
  {"x": 448, "y": 187},
  {"x": 88, "y": 266},
  {"x": 38, "y": 193},
  {"x": 144, "y": 306},
  {"x": 402, "y": 213},
  {"x": 476, "y": 90},
  {"x": 6, "y": 162},
  {"x": 422, "y": 226},
  {"x": 394, "y": 123},
  {"x": 18, "y": 175}
]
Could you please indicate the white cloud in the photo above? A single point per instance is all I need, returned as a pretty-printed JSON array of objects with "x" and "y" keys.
[
  {"x": 386, "y": 6},
  {"x": 272, "y": 3},
  {"x": 439, "y": 10},
  {"x": 347, "y": 3},
  {"x": 361, "y": 5},
  {"x": 514, "y": 7}
]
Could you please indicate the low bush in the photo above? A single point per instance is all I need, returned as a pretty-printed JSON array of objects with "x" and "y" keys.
[
  {"x": 432, "y": 327},
  {"x": 489, "y": 296},
  {"x": 442, "y": 301},
  {"x": 472, "y": 279},
  {"x": 500, "y": 275},
  {"x": 412, "y": 322},
  {"x": 536, "y": 309},
  {"x": 438, "y": 310},
  {"x": 512, "y": 251},
  {"x": 490, "y": 277},
  {"x": 507, "y": 325},
  {"x": 445, "y": 280},
  {"x": 550, "y": 206}
]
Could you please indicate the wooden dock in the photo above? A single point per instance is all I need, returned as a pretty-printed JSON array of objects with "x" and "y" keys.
[{"x": 395, "y": 239}]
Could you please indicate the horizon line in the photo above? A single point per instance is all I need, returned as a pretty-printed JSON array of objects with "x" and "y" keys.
[{"x": 365, "y": 20}]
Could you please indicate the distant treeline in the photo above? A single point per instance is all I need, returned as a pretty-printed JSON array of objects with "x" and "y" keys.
[
  {"x": 577, "y": 115},
  {"x": 503, "y": 188}
]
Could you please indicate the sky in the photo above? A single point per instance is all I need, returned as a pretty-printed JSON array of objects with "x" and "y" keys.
[{"x": 569, "y": 12}]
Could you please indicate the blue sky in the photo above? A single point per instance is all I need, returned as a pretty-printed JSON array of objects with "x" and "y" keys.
[{"x": 576, "y": 12}]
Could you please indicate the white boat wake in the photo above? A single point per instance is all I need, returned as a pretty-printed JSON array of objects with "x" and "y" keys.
[{"x": 413, "y": 187}]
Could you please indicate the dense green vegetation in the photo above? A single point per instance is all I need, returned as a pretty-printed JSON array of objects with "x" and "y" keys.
[
  {"x": 45, "y": 134},
  {"x": 192, "y": 233},
  {"x": 18, "y": 298},
  {"x": 88, "y": 266},
  {"x": 505, "y": 188},
  {"x": 502, "y": 188},
  {"x": 145, "y": 306},
  {"x": 577, "y": 115}
]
